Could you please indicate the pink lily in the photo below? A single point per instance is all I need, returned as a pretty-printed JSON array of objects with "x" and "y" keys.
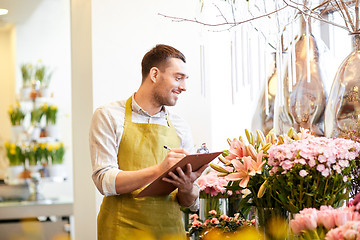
[
  {"x": 237, "y": 149},
  {"x": 242, "y": 173},
  {"x": 258, "y": 164}
]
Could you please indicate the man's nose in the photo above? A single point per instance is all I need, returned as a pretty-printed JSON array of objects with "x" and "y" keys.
[{"x": 182, "y": 86}]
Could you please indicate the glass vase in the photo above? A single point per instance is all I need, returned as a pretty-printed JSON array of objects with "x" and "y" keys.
[
  {"x": 301, "y": 97},
  {"x": 272, "y": 223},
  {"x": 233, "y": 205},
  {"x": 212, "y": 203},
  {"x": 342, "y": 114},
  {"x": 264, "y": 114}
]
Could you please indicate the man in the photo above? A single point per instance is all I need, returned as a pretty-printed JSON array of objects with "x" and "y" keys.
[{"x": 127, "y": 140}]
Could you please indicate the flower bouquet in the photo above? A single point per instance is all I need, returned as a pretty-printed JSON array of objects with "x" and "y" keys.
[
  {"x": 248, "y": 169},
  {"x": 326, "y": 223},
  {"x": 213, "y": 193},
  {"x": 215, "y": 221},
  {"x": 311, "y": 172}
]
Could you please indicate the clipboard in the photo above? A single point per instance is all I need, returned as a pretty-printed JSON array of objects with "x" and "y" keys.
[{"x": 160, "y": 187}]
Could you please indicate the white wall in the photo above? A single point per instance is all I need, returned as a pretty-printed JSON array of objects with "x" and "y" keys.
[{"x": 123, "y": 31}]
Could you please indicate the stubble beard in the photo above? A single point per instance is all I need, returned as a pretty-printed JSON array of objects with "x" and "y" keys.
[{"x": 162, "y": 100}]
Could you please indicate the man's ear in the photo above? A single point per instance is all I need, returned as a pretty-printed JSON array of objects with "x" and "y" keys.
[{"x": 154, "y": 73}]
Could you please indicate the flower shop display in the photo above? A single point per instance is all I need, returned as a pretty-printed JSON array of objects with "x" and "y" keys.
[
  {"x": 312, "y": 172},
  {"x": 226, "y": 225},
  {"x": 47, "y": 158},
  {"x": 287, "y": 173}
]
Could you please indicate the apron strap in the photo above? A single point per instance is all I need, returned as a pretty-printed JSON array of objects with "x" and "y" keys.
[
  {"x": 128, "y": 110},
  {"x": 128, "y": 113}
]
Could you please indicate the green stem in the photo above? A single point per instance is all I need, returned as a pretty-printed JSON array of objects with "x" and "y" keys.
[
  {"x": 327, "y": 180},
  {"x": 301, "y": 192}
]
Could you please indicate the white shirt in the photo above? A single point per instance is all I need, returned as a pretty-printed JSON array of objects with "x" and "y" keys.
[{"x": 107, "y": 126}]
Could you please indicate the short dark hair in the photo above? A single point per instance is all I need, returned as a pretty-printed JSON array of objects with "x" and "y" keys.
[{"x": 158, "y": 57}]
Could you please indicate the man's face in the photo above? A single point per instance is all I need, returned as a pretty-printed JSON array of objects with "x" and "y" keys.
[{"x": 171, "y": 82}]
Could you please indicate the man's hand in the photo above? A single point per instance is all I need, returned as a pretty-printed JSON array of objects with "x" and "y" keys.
[
  {"x": 173, "y": 156},
  {"x": 184, "y": 181}
]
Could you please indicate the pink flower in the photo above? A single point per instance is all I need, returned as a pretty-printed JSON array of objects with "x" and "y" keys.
[
  {"x": 258, "y": 164},
  {"x": 224, "y": 217},
  {"x": 214, "y": 221},
  {"x": 212, "y": 184},
  {"x": 286, "y": 165},
  {"x": 303, "y": 173},
  {"x": 326, "y": 172},
  {"x": 237, "y": 150},
  {"x": 196, "y": 223},
  {"x": 194, "y": 217},
  {"x": 212, "y": 212},
  {"x": 349, "y": 231},
  {"x": 326, "y": 218},
  {"x": 342, "y": 216},
  {"x": 242, "y": 171}
]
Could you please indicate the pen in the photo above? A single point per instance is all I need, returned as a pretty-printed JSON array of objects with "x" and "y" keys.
[{"x": 166, "y": 147}]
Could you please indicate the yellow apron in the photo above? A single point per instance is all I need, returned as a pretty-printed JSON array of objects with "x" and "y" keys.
[{"x": 125, "y": 217}]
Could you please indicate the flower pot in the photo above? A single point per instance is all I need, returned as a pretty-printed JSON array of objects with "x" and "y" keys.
[
  {"x": 16, "y": 132},
  {"x": 12, "y": 174},
  {"x": 57, "y": 171},
  {"x": 35, "y": 133},
  {"x": 25, "y": 93},
  {"x": 45, "y": 92},
  {"x": 52, "y": 131}
]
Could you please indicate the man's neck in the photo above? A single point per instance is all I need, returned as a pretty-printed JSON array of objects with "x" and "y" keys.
[{"x": 146, "y": 103}]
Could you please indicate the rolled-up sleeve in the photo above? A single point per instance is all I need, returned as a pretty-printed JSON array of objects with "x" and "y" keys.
[{"x": 103, "y": 151}]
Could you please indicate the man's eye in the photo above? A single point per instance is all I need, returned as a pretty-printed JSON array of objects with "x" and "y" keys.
[{"x": 178, "y": 78}]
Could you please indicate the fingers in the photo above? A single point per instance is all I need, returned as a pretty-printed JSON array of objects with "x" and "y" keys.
[{"x": 179, "y": 150}]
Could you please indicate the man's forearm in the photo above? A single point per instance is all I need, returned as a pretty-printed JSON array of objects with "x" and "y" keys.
[{"x": 128, "y": 181}]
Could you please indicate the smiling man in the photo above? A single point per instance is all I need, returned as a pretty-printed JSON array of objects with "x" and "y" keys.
[{"x": 127, "y": 153}]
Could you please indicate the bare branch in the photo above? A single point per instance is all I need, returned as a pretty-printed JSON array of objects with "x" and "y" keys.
[
  {"x": 287, "y": 3},
  {"x": 348, "y": 15},
  {"x": 232, "y": 24},
  {"x": 221, "y": 13},
  {"x": 343, "y": 15}
]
